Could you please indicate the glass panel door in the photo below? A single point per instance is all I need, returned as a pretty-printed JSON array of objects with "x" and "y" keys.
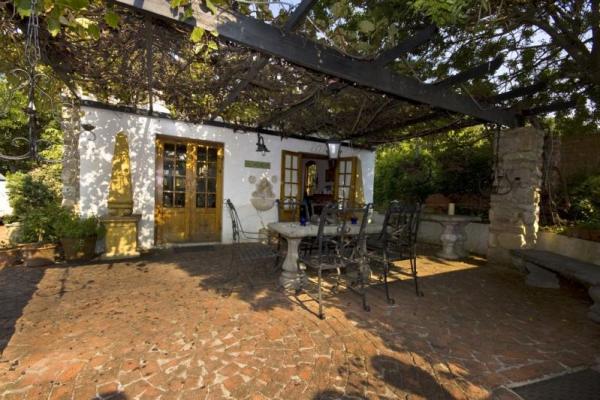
[{"x": 290, "y": 185}]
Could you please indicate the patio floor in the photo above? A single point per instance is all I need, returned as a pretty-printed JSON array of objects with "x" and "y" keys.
[{"x": 190, "y": 324}]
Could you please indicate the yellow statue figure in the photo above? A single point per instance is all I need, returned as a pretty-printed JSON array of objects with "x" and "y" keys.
[
  {"x": 120, "y": 223},
  {"x": 120, "y": 194}
]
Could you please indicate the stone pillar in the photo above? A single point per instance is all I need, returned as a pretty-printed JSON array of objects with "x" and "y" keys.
[
  {"x": 514, "y": 208},
  {"x": 70, "y": 164}
]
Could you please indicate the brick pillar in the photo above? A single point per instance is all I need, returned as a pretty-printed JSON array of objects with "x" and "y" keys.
[
  {"x": 514, "y": 209},
  {"x": 70, "y": 172}
]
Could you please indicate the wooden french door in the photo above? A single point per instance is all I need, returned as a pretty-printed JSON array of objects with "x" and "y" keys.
[
  {"x": 189, "y": 199},
  {"x": 345, "y": 181},
  {"x": 291, "y": 183}
]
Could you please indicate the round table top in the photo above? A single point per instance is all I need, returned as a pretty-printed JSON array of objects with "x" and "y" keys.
[{"x": 450, "y": 218}]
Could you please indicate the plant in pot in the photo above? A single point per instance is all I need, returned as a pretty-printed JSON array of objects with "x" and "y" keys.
[
  {"x": 78, "y": 235},
  {"x": 9, "y": 254},
  {"x": 38, "y": 237}
]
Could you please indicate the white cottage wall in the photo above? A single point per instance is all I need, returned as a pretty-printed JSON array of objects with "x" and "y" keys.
[{"x": 96, "y": 152}]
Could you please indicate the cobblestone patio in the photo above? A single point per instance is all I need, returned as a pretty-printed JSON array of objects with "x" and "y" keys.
[{"x": 190, "y": 324}]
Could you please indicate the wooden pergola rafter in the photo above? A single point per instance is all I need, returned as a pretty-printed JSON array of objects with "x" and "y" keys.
[{"x": 273, "y": 41}]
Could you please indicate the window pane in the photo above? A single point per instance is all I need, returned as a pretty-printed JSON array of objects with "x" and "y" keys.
[
  {"x": 168, "y": 167},
  {"x": 294, "y": 177},
  {"x": 288, "y": 175},
  {"x": 212, "y": 154},
  {"x": 288, "y": 190},
  {"x": 180, "y": 184},
  {"x": 201, "y": 169},
  {"x": 212, "y": 170},
  {"x": 201, "y": 154},
  {"x": 211, "y": 186},
  {"x": 181, "y": 168},
  {"x": 288, "y": 161},
  {"x": 169, "y": 150},
  {"x": 341, "y": 179},
  {"x": 181, "y": 152},
  {"x": 211, "y": 201},
  {"x": 295, "y": 162},
  {"x": 294, "y": 190},
  {"x": 201, "y": 185},
  {"x": 168, "y": 199},
  {"x": 347, "y": 179},
  {"x": 168, "y": 183},
  {"x": 179, "y": 200},
  {"x": 200, "y": 200}
]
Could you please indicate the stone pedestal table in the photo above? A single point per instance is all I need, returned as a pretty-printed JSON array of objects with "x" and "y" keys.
[
  {"x": 453, "y": 236},
  {"x": 293, "y": 232}
]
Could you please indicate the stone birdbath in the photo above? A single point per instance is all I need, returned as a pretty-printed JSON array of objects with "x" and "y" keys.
[{"x": 453, "y": 236}]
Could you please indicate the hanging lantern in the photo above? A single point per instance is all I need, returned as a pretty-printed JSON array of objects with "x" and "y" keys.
[
  {"x": 261, "y": 147},
  {"x": 333, "y": 149}
]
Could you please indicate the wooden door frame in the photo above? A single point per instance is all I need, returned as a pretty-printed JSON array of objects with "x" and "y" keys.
[
  {"x": 159, "y": 140},
  {"x": 352, "y": 194}
]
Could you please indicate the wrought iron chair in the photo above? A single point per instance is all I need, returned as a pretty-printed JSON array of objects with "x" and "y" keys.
[
  {"x": 397, "y": 241},
  {"x": 338, "y": 251},
  {"x": 264, "y": 250}
]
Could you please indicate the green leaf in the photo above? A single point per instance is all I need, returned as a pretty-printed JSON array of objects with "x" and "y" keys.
[
  {"x": 366, "y": 26},
  {"x": 211, "y": 6},
  {"x": 53, "y": 26},
  {"x": 197, "y": 34},
  {"x": 112, "y": 19},
  {"x": 23, "y": 7},
  {"x": 94, "y": 30},
  {"x": 213, "y": 45}
]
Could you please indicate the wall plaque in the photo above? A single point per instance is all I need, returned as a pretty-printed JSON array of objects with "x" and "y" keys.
[{"x": 257, "y": 164}]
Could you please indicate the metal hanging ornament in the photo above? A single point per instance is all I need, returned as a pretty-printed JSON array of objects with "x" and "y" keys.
[{"x": 32, "y": 57}]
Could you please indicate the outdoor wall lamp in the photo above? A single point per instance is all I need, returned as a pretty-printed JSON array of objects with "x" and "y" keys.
[
  {"x": 333, "y": 149},
  {"x": 260, "y": 145}
]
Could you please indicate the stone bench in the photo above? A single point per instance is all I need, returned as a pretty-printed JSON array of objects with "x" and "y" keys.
[{"x": 542, "y": 267}]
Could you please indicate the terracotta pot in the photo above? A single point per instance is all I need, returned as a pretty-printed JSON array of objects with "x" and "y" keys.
[
  {"x": 9, "y": 257},
  {"x": 38, "y": 254},
  {"x": 79, "y": 248}
]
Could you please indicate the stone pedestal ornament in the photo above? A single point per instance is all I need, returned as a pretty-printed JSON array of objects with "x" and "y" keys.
[
  {"x": 453, "y": 236},
  {"x": 121, "y": 224}
]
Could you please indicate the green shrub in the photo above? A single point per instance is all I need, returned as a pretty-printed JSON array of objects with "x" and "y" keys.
[
  {"x": 70, "y": 225},
  {"x": 38, "y": 224},
  {"x": 34, "y": 190},
  {"x": 585, "y": 200}
]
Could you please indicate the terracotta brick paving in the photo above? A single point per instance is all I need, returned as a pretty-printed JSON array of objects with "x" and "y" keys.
[{"x": 189, "y": 324}]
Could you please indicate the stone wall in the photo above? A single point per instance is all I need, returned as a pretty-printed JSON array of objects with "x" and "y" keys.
[
  {"x": 514, "y": 209},
  {"x": 70, "y": 163}
]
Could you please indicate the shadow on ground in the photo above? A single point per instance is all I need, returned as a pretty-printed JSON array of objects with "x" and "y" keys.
[{"x": 17, "y": 287}]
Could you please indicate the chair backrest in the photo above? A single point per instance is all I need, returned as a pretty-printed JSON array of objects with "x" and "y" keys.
[
  {"x": 236, "y": 224},
  {"x": 401, "y": 224},
  {"x": 353, "y": 243}
]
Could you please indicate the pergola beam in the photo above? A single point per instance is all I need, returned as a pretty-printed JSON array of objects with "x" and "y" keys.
[
  {"x": 304, "y": 52},
  {"x": 559, "y": 105},
  {"x": 518, "y": 92},
  {"x": 293, "y": 21},
  {"x": 406, "y": 46},
  {"x": 476, "y": 72}
]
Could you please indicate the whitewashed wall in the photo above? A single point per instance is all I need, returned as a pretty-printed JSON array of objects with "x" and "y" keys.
[{"x": 96, "y": 152}]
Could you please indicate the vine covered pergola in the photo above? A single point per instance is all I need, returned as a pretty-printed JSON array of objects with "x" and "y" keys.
[{"x": 207, "y": 63}]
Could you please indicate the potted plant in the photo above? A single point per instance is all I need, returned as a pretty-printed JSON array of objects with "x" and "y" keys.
[
  {"x": 9, "y": 254},
  {"x": 38, "y": 237},
  {"x": 78, "y": 235}
]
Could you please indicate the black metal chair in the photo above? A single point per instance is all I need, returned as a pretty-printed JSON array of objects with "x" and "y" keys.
[
  {"x": 397, "y": 241},
  {"x": 338, "y": 251},
  {"x": 263, "y": 249}
]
